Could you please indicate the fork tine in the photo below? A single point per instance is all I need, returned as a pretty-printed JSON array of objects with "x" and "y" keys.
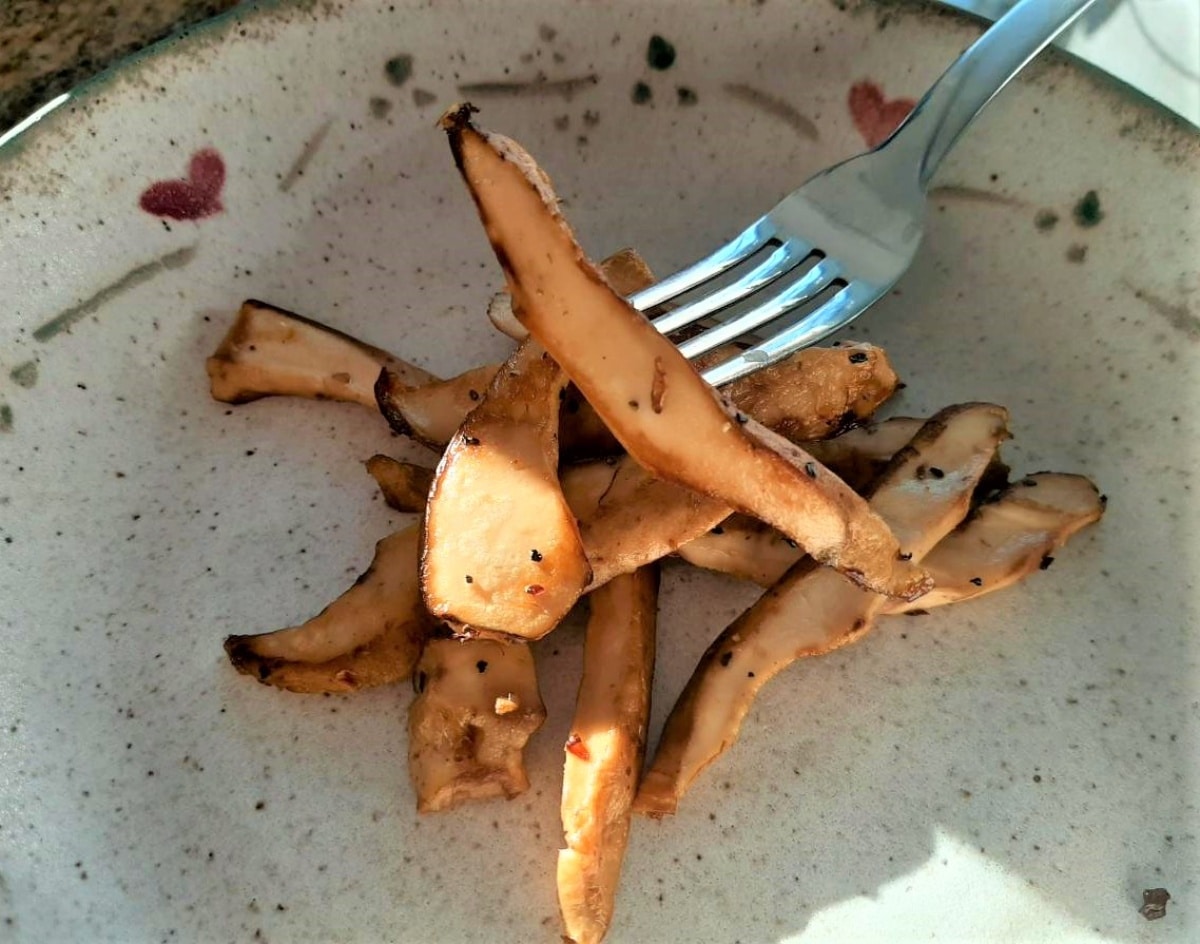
[
  {"x": 803, "y": 289},
  {"x": 741, "y": 247},
  {"x": 846, "y": 305},
  {"x": 779, "y": 262}
]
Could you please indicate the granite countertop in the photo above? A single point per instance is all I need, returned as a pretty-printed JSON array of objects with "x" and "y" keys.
[{"x": 49, "y": 46}]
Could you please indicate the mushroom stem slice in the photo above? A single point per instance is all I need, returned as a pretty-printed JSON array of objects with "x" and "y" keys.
[
  {"x": 269, "y": 352},
  {"x": 649, "y": 396},
  {"x": 477, "y": 705}
]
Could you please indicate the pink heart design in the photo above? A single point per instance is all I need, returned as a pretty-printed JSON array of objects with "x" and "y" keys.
[
  {"x": 193, "y": 198},
  {"x": 874, "y": 116}
]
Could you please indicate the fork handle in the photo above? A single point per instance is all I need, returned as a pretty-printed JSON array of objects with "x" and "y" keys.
[{"x": 941, "y": 116}]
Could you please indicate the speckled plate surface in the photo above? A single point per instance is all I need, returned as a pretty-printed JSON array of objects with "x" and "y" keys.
[{"x": 1017, "y": 769}]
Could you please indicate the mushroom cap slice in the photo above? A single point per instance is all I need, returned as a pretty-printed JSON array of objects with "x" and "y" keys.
[{"x": 501, "y": 548}]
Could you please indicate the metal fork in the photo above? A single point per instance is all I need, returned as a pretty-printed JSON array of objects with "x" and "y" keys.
[{"x": 858, "y": 224}]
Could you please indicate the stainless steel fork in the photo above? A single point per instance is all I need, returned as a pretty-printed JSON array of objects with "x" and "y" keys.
[{"x": 844, "y": 238}]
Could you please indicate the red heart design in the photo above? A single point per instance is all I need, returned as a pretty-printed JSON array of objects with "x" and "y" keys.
[
  {"x": 197, "y": 196},
  {"x": 874, "y": 117}
]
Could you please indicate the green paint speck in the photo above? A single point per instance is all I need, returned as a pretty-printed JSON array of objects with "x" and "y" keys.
[
  {"x": 398, "y": 69},
  {"x": 660, "y": 54},
  {"x": 25, "y": 375},
  {"x": 1087, "y": 210},
  {"x": 6, "y": 418}
]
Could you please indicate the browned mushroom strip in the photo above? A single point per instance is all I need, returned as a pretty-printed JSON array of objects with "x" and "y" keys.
[{"x": 924, "y": 493}]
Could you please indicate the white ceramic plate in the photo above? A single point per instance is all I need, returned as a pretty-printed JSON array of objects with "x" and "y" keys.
[{"x": 1019, "y": 769}]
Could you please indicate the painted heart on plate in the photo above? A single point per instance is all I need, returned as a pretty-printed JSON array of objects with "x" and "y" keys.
[
  {"x": 874, "y": 116},
  {"x": 191, "y": 198}
]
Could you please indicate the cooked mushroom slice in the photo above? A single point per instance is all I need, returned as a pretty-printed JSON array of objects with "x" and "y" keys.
[
  {"x": 500, "y": 314},
  {"x": 272, "y": 352},
  {"x": 745, "y": 548},
  {"x": 625, "y": 270},
  {"x": 639, "y": 519},
  {"x": 431, "y": 413},
  {"x": 502, "y": 550},
  {"x": 651, "y": 398},
  {"x": 859, "y": 455},
  {"x": 924, "y": 493},
  {"x": 477, "y": 705},
  {"x": 404, "y": 485},
  {"x": 370, "y": 635},
  {"x": 819, "y": 392},
  {"x": 604, "y": 749},
  {"x": 1009, "y": 538}
]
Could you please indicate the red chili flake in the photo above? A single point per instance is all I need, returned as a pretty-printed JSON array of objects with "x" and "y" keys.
[
  {"x": 576, "y": 746},
  {"x": 535, "y": 589}
]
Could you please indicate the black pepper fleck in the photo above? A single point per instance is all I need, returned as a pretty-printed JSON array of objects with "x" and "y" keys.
[
  {"x": 858, "y": 357},
  {"x": 469, "y": 579},
  {"x": 977, "y": 581},
  {"x": 936, "y": 472},
  {"x": 726, "y": 658},
  {"x": 810, "y": 469},
  {"x": 536, "y": 556},
  {"x": 641, "y": 93},
  {"x": 481, "y": 666},
  {"x": 1046, "y": 562}
]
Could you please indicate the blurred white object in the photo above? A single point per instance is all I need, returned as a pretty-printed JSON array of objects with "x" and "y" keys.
[{"x": 1153, "y": 45}]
